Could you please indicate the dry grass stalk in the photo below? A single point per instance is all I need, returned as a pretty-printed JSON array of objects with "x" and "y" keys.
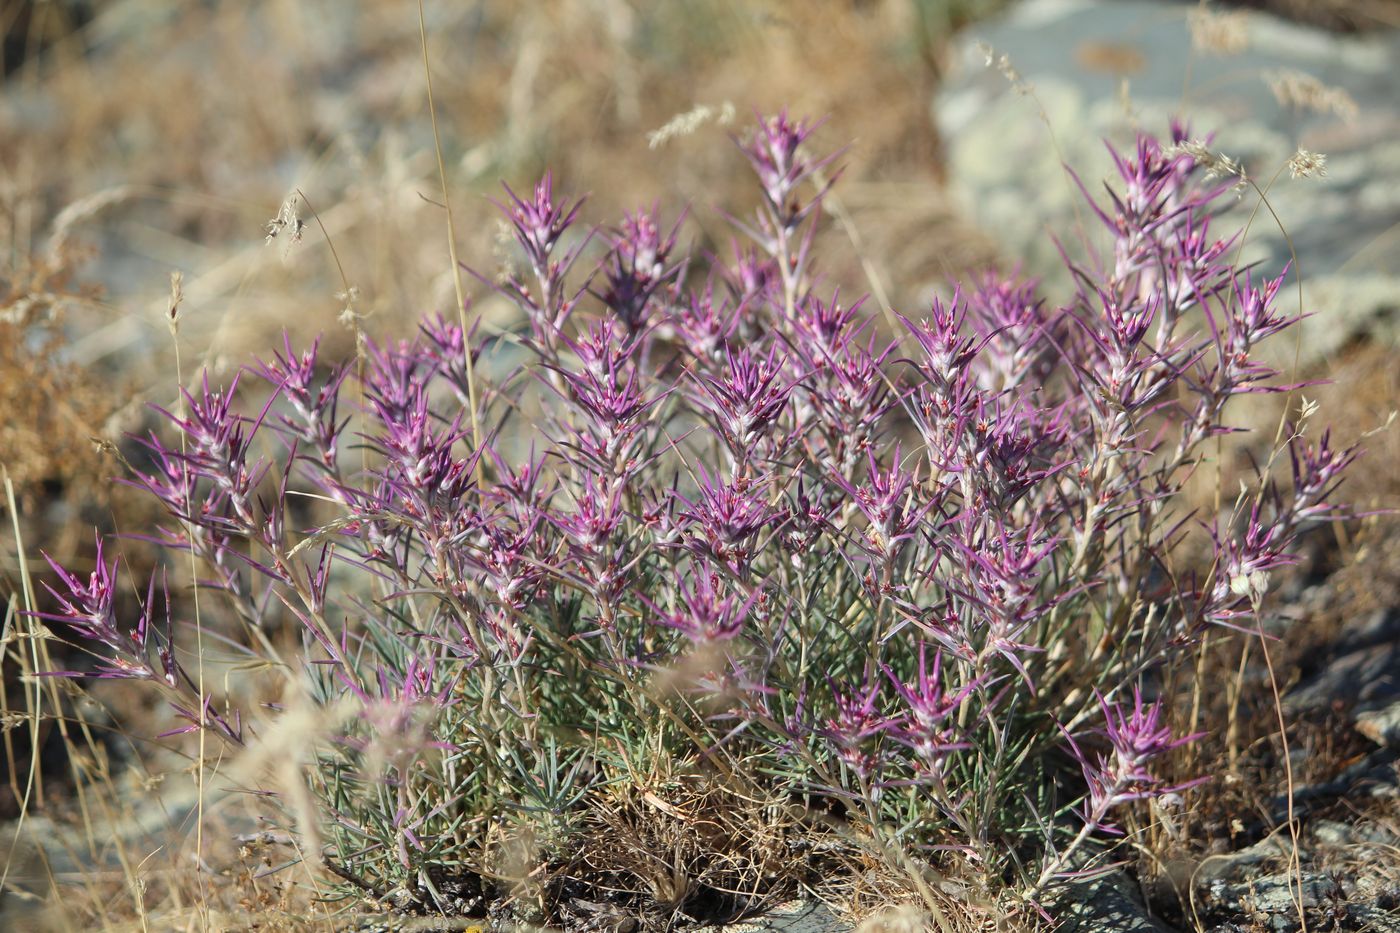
[
  {"x": 1301, "y": 91},
  {"x": 1218, "y": 33}
]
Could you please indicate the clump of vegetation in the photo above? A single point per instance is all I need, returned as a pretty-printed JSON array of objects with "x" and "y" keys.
[{"x": 703, "y": 581}]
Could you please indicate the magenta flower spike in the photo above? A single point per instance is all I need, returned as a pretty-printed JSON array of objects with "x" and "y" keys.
[
  {"x": 748, "y": 396},
  {"x": 725, "y": 519}
]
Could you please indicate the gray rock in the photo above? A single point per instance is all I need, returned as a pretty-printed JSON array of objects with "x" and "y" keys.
[
  {"x": 1363, "y": 674},
  {"x": 1344, "y": 879},
  {"x": 1257, "y": 888},
  {"x": 1331, "y": 834},
  {"x": 1272, "y": 901},
  {"x": 1373, "y": 919},
  {"x": 1381, "y": 726},
  {"x": 799, "y": 916},
  {"x": 1239, "y": 865},
  {"x": 1005, "y": 166},
  {"x": 1111, "y": 903}
]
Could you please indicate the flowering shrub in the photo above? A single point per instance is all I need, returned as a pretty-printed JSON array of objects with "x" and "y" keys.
[{"x": 722, "y": 524}]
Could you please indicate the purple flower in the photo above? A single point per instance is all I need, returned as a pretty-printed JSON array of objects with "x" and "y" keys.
[
  {"x": 1138, "y": 736},
  {"x": 446, "y": 350},
  {"x": 1005, "y": 568},
  {"x": 775, "y": 152},
  {"x": 887, "y": 501},
  {"x": 927, "y": 707},
  {"x": 752, "y": 277},
  {"x": 315, "y": 406},
  {"x": 706, "y": 613},
  {"x": 747, "y": 396},
  {"x": 519, "y": 487},
  {"x": 540, "y": 221},
  {"x": 725, "y": 519},
  {"x": 604, "y": 349},
  {"x": 217, "y": 444},
  {"x": 857, "y": 721},
  {"x": 637, "y": 269},
  {"x": 1252, "y": 318},
  {"x": 505, "y": 559},
  {"x": 596, "y": 516},
  {"x": 850, "y": 398},
  {"x": 1317, "y": 471},
  {"x": 824, "y": 329},
  {"x": 1006, "y": 314},
  {"x": 615, "y": 405},
  {"x": 947, "y": 351},
  {"x": 420, "y": 459},
  {"x": 88, "y": 606},
  {"x": 705, "y": 324},
  {"x": 1243, "y": 567}
]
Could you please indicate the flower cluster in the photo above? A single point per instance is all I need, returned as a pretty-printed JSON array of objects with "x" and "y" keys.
[
  {"x": 1136, "y": 737},
  {"x": 879, "y": 563}
]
